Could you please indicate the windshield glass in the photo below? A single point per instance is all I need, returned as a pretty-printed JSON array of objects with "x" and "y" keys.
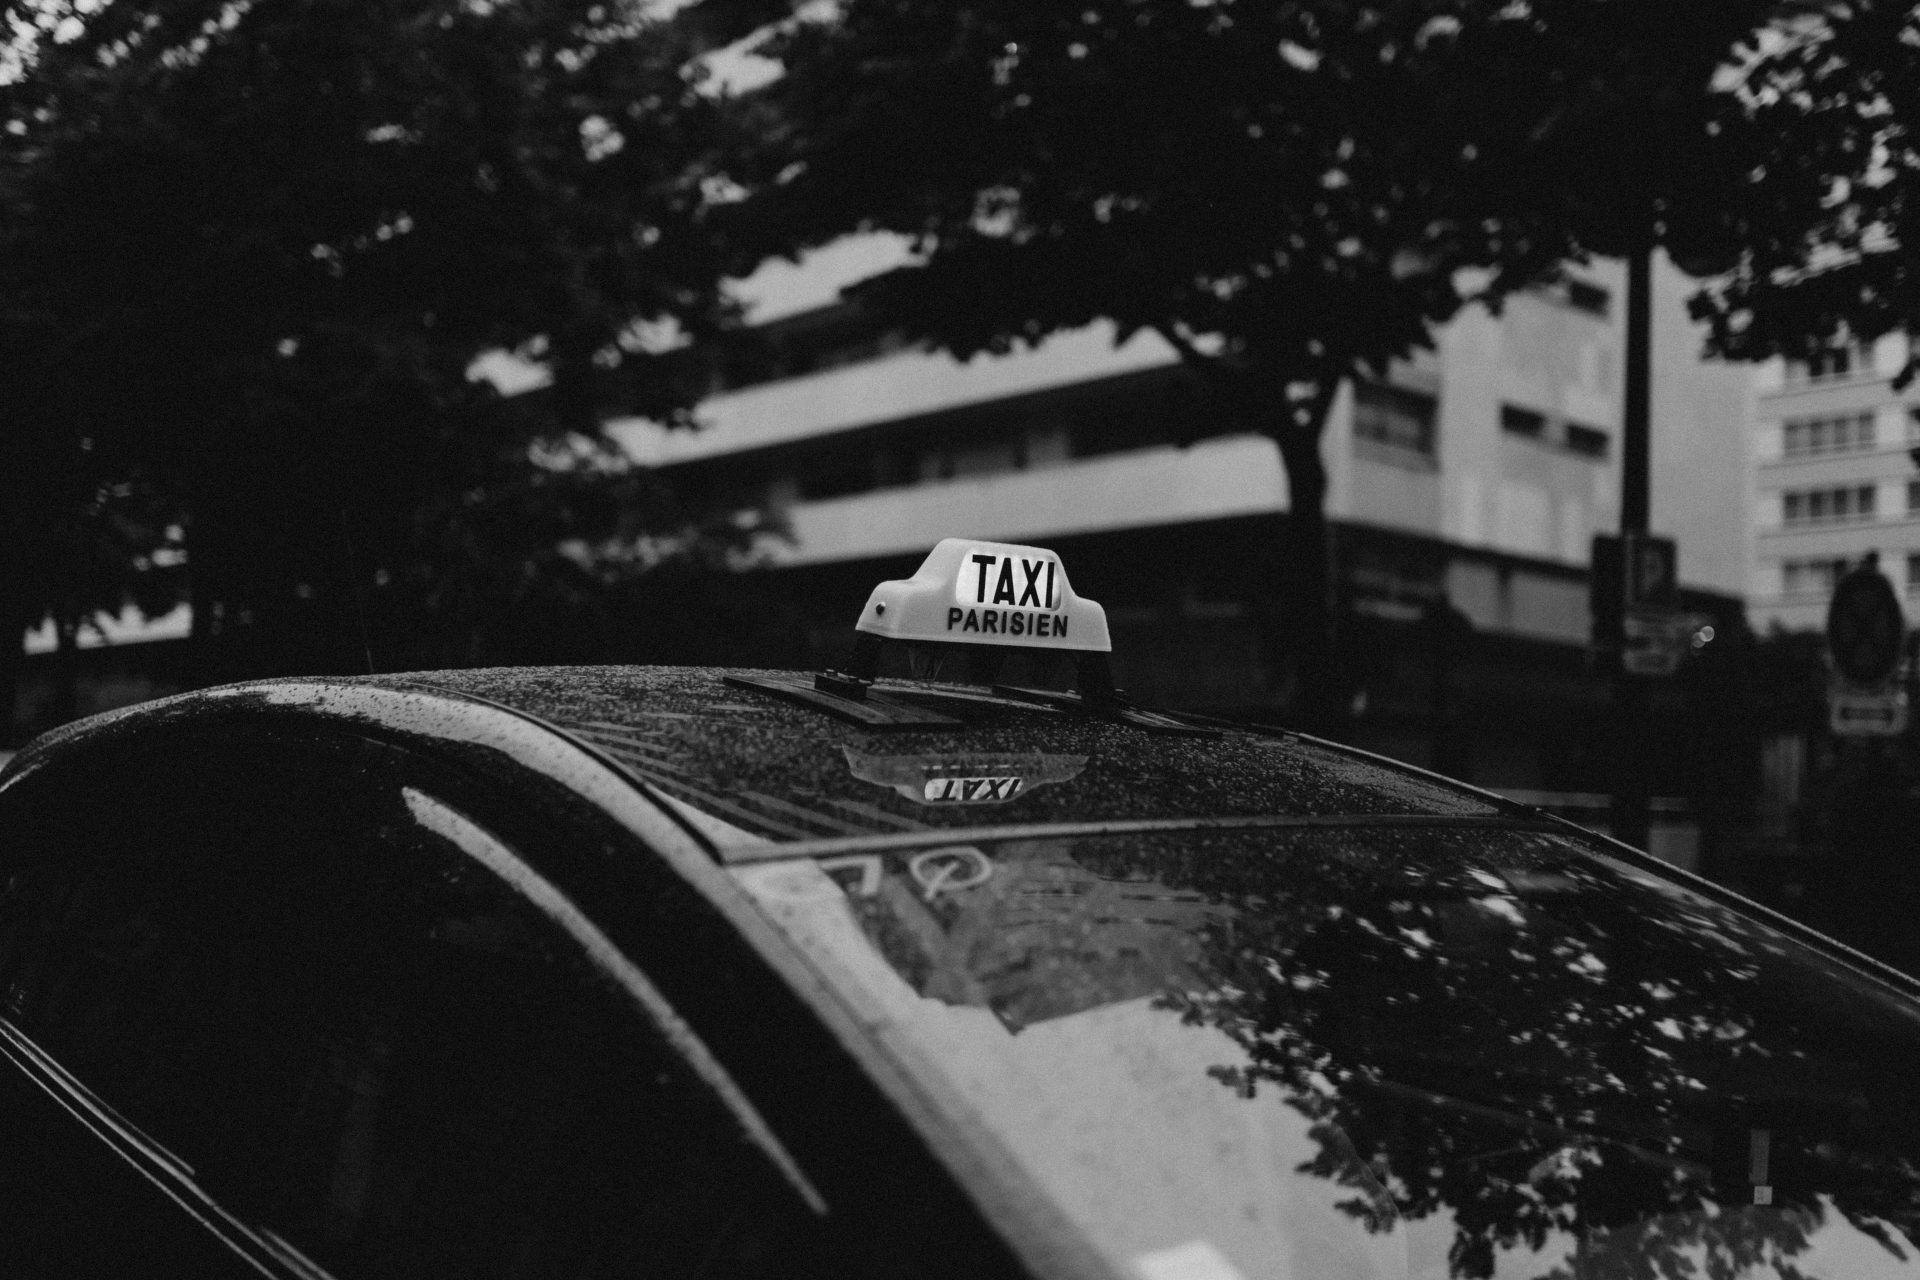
[{"x": 1384, "y": 1052}]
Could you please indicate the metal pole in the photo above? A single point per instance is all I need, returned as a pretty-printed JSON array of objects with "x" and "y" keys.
[
  {"x": 1637, "y": 417},
  {"x": 1631, "y": 700}
]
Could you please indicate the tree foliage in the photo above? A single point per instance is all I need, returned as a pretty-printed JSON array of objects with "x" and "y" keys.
[
  {"x": 1841, "y": 84},
  {"x": 253, "y": 248}
]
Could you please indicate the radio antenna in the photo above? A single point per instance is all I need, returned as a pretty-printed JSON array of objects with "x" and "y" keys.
[{"x": 353, "y": 581}]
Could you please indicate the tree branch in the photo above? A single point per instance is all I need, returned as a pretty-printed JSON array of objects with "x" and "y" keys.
[{"x": 1190, "y": 353}]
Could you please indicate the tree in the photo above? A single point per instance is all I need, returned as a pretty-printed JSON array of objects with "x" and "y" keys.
[
  {"x": 1844, "y": 82},
  {"x": 1291, "y": 195},
  {"x": 85, "y": 536},
  {"x": 253, "y": 249}
]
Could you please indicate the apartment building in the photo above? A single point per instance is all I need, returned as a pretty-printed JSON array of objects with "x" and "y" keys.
[
  {"x": 1473, "y": 476},
  {"x": 1834, "y": 480}
]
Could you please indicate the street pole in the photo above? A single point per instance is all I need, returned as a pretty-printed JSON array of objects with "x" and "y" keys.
[
  {"x": 1637, "y": 419},
  {"x": 1632, "y": 702}
]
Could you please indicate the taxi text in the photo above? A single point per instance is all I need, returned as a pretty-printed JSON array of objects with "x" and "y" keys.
[
  {"x": 1007, "y": 622},
  {"x": 1020, "y": 581},
  {"x": 990, "y": 790}
]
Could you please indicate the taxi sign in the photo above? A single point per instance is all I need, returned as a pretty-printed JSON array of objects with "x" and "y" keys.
[
  {"x": 991, "y": 593},
  {"x": 985, "y": 597}
]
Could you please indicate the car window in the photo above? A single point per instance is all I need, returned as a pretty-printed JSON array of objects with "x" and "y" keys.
[
  {"x": 1384, "y": 1052},
  {"x": 363, "y": 1040}
]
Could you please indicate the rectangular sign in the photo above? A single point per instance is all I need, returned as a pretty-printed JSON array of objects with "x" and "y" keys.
[
  {"x": 1654, "y": 643},
  {"x": 1636, "y": 571},
  {"x": 1652, "y": 571},
  {"x": 990, "y": 578},
  {"x": 1867, "y": 713}
]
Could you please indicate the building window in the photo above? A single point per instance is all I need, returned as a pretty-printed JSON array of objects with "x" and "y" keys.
[
  {"x": 1588, "y": 440},
  {"x": 1815, "y": 577},
  {"x": 1913, "y": 570},
  {"x": 1835, "y": 362},
  {"x": 1841, "y": 504},
  {"x": 1581, "y": 295},
  {"x": 1806, "y": 437},
  {"x": 1394, "y": 416},
  {"x": 1522, "y": 422},
  {"x": 1587, "y": 296},
  {"x": 1913, "y": 497},
  {"x": 836, "y": 479},
  {"x": 1838, "y": 361},
  {"x": 829, "y": 337},
  {"x": 1574, "y": 437},
  {"x": 1403, "y": 585}
]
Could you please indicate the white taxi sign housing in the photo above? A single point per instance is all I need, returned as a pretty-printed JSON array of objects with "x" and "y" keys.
[{"x": 994, "y": 593}]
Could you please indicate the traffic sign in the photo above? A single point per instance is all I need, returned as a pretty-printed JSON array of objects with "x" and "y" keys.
[
  {"x": 1862, "y": 713},
  {"x": 1655, "y": 641},
  {"x": 1653, "y": 571},
  {"x": 1865, "y": 627},
  {"x": 1631, "y": 573}
]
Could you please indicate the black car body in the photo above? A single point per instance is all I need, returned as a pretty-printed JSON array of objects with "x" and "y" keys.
[{"x": 640, "y": 971}]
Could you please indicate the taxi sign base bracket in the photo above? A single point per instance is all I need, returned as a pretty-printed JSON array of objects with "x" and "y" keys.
[
  {"x": 1111, "y": 707},
  {"x": 842, "y": 686},
  {"x": 862, "y": 669},
  {"x": 870, "y": 711},
  {"x": 1095, "y": 671}
]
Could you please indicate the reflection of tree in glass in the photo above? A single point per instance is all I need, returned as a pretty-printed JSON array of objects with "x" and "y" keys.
[{"x": 1552, "y": 1051}]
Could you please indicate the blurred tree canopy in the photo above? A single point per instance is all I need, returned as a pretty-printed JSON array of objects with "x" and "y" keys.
[
  {"x": 249, "y": 253},
  {"x": 251, "y": 249},
  {"x": 1291, "y": 195},
  {"x": 1848, "y": 79}
]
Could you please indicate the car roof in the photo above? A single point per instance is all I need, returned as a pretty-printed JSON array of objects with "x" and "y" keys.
[
  {"x": 780, "y": 769},
  {"x": 750, "y": 762}
]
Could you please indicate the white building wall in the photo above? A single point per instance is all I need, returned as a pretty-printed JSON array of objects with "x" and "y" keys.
[
  {"x": 1229, "y": 476},
  {"x": 903, "y": 385},
  {"x": 1784, "y": 592},
  {"x": 1481, "y": 488},
  {"x": 1701, "y": 448}
]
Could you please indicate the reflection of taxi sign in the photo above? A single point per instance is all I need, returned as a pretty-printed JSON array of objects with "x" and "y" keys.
[
  {"x": 983, "y": 790},
  {"x": 992, "y": 593},
  {"x": 964, "y": 777}
]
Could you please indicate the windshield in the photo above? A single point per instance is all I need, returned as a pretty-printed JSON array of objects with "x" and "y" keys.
[{"x": 1390, "y": 1052}]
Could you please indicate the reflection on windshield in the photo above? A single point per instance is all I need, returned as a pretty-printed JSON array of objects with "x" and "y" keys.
[
  {"x": 994, "y": 938},
  {"x": 1187, "y": 1163},
  {"x": 1388, "y": 1053},
  {"x": 1549, "y": 1046}
]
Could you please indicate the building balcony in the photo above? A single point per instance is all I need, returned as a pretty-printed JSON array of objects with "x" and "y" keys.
[
  {"x": 907, "y": 384},
  {"x": 1229, "y": 476}
]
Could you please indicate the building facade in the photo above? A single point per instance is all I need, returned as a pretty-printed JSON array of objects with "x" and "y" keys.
[
  {"x": 1465, "y": 487},
  {"x": 1834, "y": 480}
]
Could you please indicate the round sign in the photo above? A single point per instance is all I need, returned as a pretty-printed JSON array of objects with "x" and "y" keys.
[{"x": 1865, "y": 626}]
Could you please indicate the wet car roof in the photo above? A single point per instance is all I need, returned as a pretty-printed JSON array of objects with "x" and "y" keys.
[{"x": 784, "y": 771}]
